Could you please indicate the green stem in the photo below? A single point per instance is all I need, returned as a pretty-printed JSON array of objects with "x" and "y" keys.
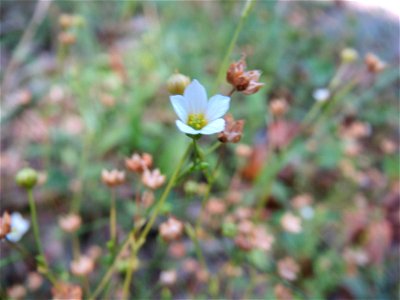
[
  {"x": 193, "y": 236},
  {"x": 270, "y": 171},
  {"x": 35, "y": 226},
  {"x": 113, "y": 219},
  {"x": 225, "y": 62},
  {"x": 110, "y": 270},
  {"x": 129, "y": 273},
  {"x": 146, "y": 230},
  {"x": 164, "y": 196}
]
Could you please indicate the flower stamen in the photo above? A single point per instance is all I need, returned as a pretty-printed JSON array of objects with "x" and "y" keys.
[{"x": 197, "y": 121}]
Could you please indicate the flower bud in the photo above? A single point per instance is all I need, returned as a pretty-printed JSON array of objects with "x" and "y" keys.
[
  {"x": 348, "y": 55},
  {"x": 27, "y": 178},
  {"x": 177, "y": 83}
]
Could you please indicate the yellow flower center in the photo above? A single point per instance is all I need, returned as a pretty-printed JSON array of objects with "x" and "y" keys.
[{"x": 197, "y": 121}]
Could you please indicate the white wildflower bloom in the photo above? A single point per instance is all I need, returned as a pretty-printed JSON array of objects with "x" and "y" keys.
[
  {"x": 321, "y": 95},
  {"x": 19, "y": 226},
  {"x": 196, "y": 114}
]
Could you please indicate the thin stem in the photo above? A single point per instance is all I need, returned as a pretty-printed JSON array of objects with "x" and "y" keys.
[
  {"x": 129, "y": 273},
  {"x": 232, "y": 91},
  {"x": 225, "y": 62},
  {"x": 193, "y": 236},
  {"x": 146, "y": 230},
  {"x": 76, "y": 201},
  {"x": 213, "y": 147},
  {"x": 113, "y": 218},
  {"x": 75, "y": 246},
  {"x": 110, "y": 270},
  {"x": 164, "y": 196},
  {"x": 277, "y": 164},
  {"x": 35, "y": 226}
]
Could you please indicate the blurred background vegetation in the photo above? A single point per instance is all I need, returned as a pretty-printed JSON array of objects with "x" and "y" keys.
[{"x": 73, "y": 104}]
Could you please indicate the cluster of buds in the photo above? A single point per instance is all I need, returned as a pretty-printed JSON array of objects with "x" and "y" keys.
[
  {"x": 374, "y": 63},
  {"x": 70, "y": 223},
  {"x": 242, "y": 80},
  {"x": 233, "y": 130},
  {"x": 139, "y": 163},
  {"x": 64, "y": 290},
  {"x": 171, "y": 230},
  {"x": 112, "y": 178},
  {"x": 82, "y": 266},
  {"x": 5, "y": 225}
]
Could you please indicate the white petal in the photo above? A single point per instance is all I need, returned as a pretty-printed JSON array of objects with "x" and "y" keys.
[
  {"x": 19, "y": 226},
  {"x": 217, "y": 107},
  {"x": 196, "y": 97},
  {"x": 185, "y": 128},
  {"x": 180, "y": 105},
  {"x": 214, "y": 127}
]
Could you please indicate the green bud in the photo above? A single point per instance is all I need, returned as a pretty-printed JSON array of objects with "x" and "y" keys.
[
  {"x": 177, "y": 83},
  {"x": 229, "y": 229},
  {"x": 348, "y": 55},
  {"x": 204, "y": 165},
  {"x": 26, "y": 178},
  {"x": 191, "y": 187}
]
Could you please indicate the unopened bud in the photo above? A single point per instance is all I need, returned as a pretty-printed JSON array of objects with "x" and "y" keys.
[
  {"x": 177, "y": 83},
  {"x": 348, "y": 55},
  {"x": 27, "y": 178}
]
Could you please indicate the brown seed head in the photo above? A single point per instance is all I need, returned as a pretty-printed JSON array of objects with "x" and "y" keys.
[
  {"x": 171, "y": 229},
  {"x": 82, "y": 266},
  {"x": 243, "y": 81},
  {"x": 215, "y": 207},
  {"x": 374, "y": 63},
  {"x": 233, "y": 130},
  {"x": 278, "y": 107},
  {"x": 62, "y": 291},
  {"x": 66, "y": 38},
  {"x": 5, "y": 225},
  {"x": 291, "y": 223},
  {"x": 70, "y": 223},
  {"x": 112, "y": 178},
  {"x": 16, "y": 292},
  {"x": 153, "y": 179},
  {"x": 35, "y": 281},
  {"x": 138, "y": 163},
  {"x": 288, "y": 268}
]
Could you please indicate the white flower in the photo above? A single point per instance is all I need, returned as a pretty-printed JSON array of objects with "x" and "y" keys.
[
  {"x": 321, "y": 95},
  {"x": 19, "y": 226},
  {"x": 196, "y": 114}
]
